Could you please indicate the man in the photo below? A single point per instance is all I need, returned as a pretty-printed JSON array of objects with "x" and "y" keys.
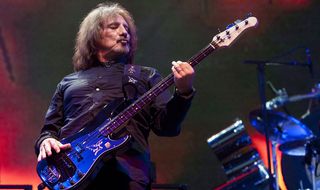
[{"x": 104, "y": 50}]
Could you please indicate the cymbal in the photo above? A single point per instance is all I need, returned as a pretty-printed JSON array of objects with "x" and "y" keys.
[
  {"x": 281, "y": 127},
  {"x": 294, "y": 148}
]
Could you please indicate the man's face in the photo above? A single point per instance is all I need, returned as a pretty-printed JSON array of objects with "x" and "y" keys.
[{"x": 114, "y": 37}]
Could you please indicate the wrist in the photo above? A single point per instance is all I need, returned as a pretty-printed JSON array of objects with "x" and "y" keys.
[{"x": 186, "y": 95}]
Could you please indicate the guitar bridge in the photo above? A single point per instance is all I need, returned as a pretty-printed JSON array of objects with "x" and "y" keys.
[
  {"x": 50, "y": 173},
  {"x": 57, "y": 168}
]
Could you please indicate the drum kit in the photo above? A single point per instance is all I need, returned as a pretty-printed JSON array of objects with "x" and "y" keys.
[
  {"x": 233, "y": 147},
  {"x": 290, "y": 135},
  {"x": 283, "y": 132}
]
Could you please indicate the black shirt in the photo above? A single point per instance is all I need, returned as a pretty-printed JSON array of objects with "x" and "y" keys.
[{"x": 81, "y": 95}]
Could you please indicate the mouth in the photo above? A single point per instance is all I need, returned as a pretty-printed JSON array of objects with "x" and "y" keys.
[{"x": 123, "y": 41}]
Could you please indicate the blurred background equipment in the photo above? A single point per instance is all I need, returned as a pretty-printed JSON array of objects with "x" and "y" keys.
[
  {"x": 299, "y": 153},
  {"x": 282, "y": 128},
  {"x": 260, "y": 118},
  {"x": 240, "y": 160},
  {"x": 312, "y": 162},
  {"x": 300, "y": 160}
]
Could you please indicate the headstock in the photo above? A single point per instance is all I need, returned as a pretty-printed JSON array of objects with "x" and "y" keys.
[{"x": 227, "y": 37}]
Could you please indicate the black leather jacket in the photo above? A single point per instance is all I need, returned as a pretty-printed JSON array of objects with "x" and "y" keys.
[{"x": 81, "y": 95}]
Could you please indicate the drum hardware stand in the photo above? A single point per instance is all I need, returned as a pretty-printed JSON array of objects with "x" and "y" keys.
[
  {"x": 261, "y": 81},
  {"x": 261, "y": 84},
  {"x": 275, "y": 164},
  {"x": 312, "y": 168},
  {"x": 313, "y": 172}
]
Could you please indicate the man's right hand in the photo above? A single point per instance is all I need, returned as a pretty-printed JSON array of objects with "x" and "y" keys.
[{"x": 48, "y": 144}]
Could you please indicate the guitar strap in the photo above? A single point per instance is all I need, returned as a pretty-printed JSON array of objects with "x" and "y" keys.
[
  {"x": 131, "y": 81},
  {"x": 133, "y": 86}
]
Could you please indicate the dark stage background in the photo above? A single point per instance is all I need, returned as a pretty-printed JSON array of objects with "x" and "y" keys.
[{"x": 36, "y": 46}]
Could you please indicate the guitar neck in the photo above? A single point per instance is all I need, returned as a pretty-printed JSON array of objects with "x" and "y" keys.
[
  {"x": 75, "y": 166},
  {"x": 223, "y": 39},
  {"x": 145, "y": 99}
]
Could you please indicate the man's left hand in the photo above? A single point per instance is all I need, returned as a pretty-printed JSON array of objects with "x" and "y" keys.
[{"x": 183, "y": 76}]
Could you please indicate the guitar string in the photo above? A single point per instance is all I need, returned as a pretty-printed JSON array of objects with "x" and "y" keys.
[
  {"x": 167, "y": 82},
  {"x": 105, "y": 130},
  {"x": 157, "y": 88}
]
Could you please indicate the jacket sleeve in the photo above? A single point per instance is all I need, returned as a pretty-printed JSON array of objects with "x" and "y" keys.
[
  {"x": 168, "y": 111},
  {"x": 53, "y": 119}
]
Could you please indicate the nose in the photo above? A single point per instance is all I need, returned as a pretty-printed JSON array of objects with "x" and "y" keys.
[{"x": 123, "y": 31}]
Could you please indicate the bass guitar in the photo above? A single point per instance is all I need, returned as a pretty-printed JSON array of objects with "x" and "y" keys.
[{"x": 73, "y": 168}]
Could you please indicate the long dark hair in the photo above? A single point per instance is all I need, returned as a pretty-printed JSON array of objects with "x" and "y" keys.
[{"x": 85, "y": 48}]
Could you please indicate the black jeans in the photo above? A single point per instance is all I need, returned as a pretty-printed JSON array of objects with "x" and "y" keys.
[{"x": 109, "y": 178}]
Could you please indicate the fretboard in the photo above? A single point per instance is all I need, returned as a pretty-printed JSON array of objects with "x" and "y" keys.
[{"x": 150, "y": 95}]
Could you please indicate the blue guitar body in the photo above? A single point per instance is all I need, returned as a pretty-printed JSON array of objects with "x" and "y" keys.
[{"x": 73, "y": 169}]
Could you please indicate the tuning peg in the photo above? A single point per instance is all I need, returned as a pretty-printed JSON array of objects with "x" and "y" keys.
[
  {"x": 249, "y": 15},
  {"x": 237, "y": 21},
  {"x": 230, "y": 25}
]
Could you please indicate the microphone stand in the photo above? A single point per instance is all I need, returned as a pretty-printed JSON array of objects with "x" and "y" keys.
[{"x": 261, "y": 84}]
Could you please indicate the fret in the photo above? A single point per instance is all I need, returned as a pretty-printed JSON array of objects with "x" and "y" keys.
[
  {"x": 71, "y": 177},
  {"x": 134, "y": 108},
  {"x": 219, "y": 40}
]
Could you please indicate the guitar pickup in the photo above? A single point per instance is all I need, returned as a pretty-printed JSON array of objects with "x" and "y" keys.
[
  {"x": 79, "y": 149},
  {"x": 77, "y": 154}
]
